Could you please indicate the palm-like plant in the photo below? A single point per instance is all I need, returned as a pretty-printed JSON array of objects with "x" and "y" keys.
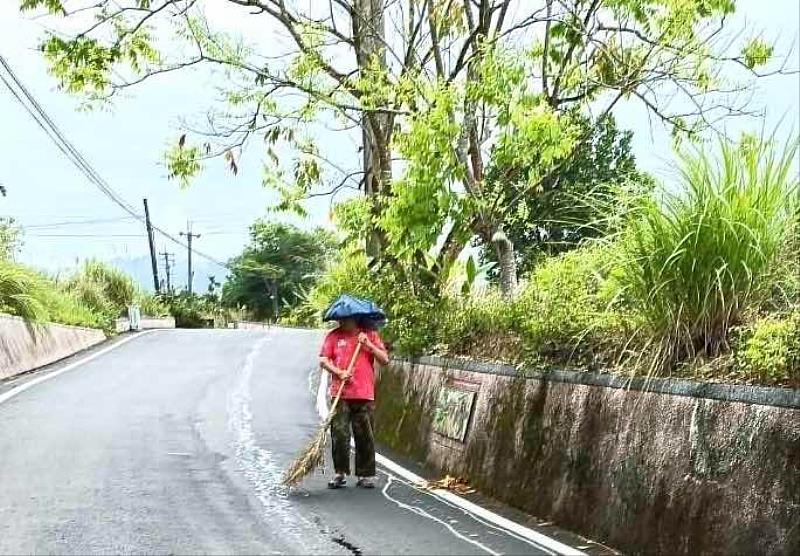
[{"x": 20, "y": 292}]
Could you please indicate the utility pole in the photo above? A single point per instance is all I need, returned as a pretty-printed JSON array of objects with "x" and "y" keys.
[
  {"x": 189, "y": 236},
  {"x": 169, "y": 262},
  {"x": 153, "y": 260}
]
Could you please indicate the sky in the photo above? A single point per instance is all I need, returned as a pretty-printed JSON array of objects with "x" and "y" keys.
[{"x": 126, "y": 142}]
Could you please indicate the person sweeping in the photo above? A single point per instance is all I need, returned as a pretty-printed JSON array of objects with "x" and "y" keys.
[
  {"x": 357, "y": 398},
  {"x": 348, "y": 353}
]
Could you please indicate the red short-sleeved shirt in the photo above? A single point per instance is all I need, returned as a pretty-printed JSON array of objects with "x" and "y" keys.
[{"x": 339, "y": 347}]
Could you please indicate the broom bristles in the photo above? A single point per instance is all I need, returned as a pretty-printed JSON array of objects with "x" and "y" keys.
[
  {"x": 310, "y": 458},
  {"x": 313, "y": 454}
]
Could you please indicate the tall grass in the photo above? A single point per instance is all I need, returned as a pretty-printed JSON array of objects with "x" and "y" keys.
[
  {"x": 694, "y": 263},
  {"x": 21, "y": 292},
  {"x": 102, "y": 288}
]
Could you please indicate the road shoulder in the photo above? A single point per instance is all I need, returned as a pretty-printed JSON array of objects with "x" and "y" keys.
[{"x": 12, "y": 382}]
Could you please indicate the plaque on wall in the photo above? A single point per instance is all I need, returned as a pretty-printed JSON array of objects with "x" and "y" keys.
[{"x": 453, "y": 411}]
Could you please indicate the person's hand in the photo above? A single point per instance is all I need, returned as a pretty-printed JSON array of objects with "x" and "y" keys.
[
  {"x": 343, "y": 374},
  {"x": 363, "y": 339}
]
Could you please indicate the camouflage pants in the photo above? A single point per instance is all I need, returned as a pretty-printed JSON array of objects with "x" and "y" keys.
[{"x": 355, "y": 414}]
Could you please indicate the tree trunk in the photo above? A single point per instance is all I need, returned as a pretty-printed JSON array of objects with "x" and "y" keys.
[
  {"x": 368, "y": 34},
  {"x": 507, "y": 263},
  {"x": 372, "y": 188}
]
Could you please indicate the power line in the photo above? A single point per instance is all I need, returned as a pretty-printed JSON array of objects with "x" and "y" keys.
[
  {"x": 84, "y": 235},
  {"x": 37, "y": 112},
  {"x": 55, "y": 134},
  {"x": 64, "y": 223}
]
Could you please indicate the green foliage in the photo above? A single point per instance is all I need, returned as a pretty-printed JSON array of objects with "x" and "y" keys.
[
  {"x": 570, "y": 203},
  {"x": 36, "y": 298},
  {"x": 21, "y": 292},
  {"x": 692, "y": 264},
  {"x": 183, "y": 162},
  {"x": 353, "y": 218},
  {"x": 99, "y": 290},
  {"x": 422, "y": 198},
  {"x": 52, "y": 6},
  {"x": 756, "y": 53},
  {"x": 151, "y": 305},
  {"x": 9, "y": 238},
  {"x": 768, "y": 349},
  {"x": 63, "y": 307},
  {"x": 412, "y": 327},
  {"x": 84, "y": 64},
  {"x": 567, "y": 312},
  {"x": 514, "y": 90},
  {"x": 534, "y": 139},
  {"x": 196, "y": 311},
  {"x": 279, "y": 257},
  {"x": 482, "y": 327},
  {"x": 104, "y": 289},
  {"x": 564, "y": 315},
  {"x": 92, "y": 297}
]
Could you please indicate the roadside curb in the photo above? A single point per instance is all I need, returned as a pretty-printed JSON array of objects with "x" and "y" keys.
[{"x": 448, "y": 497}]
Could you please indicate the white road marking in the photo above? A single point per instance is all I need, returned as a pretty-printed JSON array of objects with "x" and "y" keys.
[
  {"x": 536, "y": 538},
  {"x": 419, "y": 511},
  {"x": 421, "y": 490},
  {"x": 30, "y": 384},
  {"x": 245, "y": 440}
]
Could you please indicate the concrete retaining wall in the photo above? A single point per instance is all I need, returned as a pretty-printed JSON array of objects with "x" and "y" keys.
[
  {"x": 152, "y": 323},
  {"x": 644, "y": 467},
  {"x": 23, "y": 347},
  {"x": 145, "y": 323},
  {"x": 245, "y": 325}
]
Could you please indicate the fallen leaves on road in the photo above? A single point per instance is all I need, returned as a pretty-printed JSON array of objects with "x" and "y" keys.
[{"x": 453, "y": 484}]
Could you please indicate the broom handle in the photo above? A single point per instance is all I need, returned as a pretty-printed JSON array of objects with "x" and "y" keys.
[{"x": 349, "y": 370}]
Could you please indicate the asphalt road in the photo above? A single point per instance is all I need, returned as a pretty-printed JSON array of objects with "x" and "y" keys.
[{"x": 174, "y": 443}]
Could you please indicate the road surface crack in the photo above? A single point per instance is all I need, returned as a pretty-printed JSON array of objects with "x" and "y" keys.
[{"x": 341, "y": 541}]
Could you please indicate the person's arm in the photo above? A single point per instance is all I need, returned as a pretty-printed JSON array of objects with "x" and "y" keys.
[
  {"x": 326, "y": 359},
  {"x": 376, "y": 348},
  {"x": 328, "y": 365}
]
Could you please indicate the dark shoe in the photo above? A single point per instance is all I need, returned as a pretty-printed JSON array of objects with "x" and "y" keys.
[
  {"x": 337, "y": 482},
  {"x": 366, "y": 482}
]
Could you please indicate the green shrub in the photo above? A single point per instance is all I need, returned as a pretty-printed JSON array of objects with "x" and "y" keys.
[
  {"x": 64, "y": 308},
  {"x": 151, "y": 305},
  {"x": 694, "y": 263},
  {"x": 190, "y": 311},
  {"x": 104, "y": 289},
  {"x": 196, "y": 311},
  {"x": 768, "y": 350},
  {"x": 413, "y": 310},
  {"x": 566, "y": 312},
  {"x": 21, "y": 292},
  {"x": 480, "y": 327},
  {"x": 563, "y": 315},
  {"x": 37, "y": 298}
]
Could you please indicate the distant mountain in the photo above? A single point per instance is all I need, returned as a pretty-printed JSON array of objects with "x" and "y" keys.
[{"x": 140, "y": 269}]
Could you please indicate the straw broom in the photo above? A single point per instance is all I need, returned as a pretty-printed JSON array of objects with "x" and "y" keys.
[{"x": 313, "y": 454}]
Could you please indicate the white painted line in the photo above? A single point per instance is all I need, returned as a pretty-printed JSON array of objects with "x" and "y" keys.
[
  {"x": 478, "y": 511},
  {"x": 30, "y": 384},
  {"x": 423, "y": 513}
]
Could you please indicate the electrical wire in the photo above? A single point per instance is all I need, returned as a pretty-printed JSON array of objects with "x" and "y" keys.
[
  {"x": 84, "y": 235},
  {"x": 40, "y": 116},
  {"x": 64, "y": 223}
]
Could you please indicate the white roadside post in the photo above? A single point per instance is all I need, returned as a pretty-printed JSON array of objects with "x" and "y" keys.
[{"x": 135, "y": 317}]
